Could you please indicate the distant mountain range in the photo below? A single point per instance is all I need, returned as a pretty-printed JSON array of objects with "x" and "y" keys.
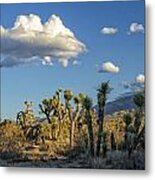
[{"x": 124, "y": 102}]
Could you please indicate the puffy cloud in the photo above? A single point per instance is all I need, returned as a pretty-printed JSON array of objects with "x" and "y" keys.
[
  {"x": 136, "y": 28},
  {"x": 47, "y": 61},
  {"x": 140, "y": 79},
  {"x": 64, "y": 62},
  {"x": 108, "y": 67},
  {"x": 109, "y": 30},
  {"x": 30, "y": 40}
]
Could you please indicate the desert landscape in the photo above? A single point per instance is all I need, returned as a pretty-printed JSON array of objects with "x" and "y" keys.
[
  {"x": 75, "y": 135},
  {"x": 73, "y": 85}
]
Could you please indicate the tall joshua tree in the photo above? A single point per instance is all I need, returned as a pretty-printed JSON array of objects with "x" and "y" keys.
[
  {"x": 87, "y": 104},
  {"x": 68, "y": 95},
  {"x": 60, "y": 110},
  {"x": 78, "y": 101},
  {"x": 73, "y": 115},
  {"x": 139, "y": 100},
  {"x": 103, "y": 90}
]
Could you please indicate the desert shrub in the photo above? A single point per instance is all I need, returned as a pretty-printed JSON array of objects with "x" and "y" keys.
[
  {"x": 11, "y": 137},
  {"x": 119, "y": 160}
]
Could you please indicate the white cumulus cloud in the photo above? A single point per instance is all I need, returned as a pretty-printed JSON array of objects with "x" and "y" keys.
[
  {"x": 109, "y": 30},
  {"x": 136, "y": 28},
  {"x": 140, "y": 79},
  {"x": 30, "y": 40},
  {"x": 108, "y": 67}
]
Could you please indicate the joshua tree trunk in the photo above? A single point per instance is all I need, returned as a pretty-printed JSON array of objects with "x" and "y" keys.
[
  {"x": 72, "y": 124},
  {"x": 68, "y": 96},
  {"x": 72, "y": 134},
  {"x": 139, "y": 100},
  {"x": 46, "y": 112},
  {"x": 72, "y": 121},
  {"x": 137, "y": 141},
  {"x": 113, "y": 144},
  {"x": 87, "y": 104},
  {"x": 100, "y": 133},
  {"x": 103, "y": 90},
  {"x": 104, "y": 146},
  {"x": 90, "y": 133}
]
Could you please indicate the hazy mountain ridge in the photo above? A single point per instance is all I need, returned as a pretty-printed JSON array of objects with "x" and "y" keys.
[{"x": 123, "y": 102}]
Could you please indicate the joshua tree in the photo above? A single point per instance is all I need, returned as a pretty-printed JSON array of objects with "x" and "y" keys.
[
  {"x": 20, "y": 119},
  {"x": 59, "y": 109},
  {"x": 73, "y": 115},
  {"x": 139, "y": 100},
  {"x": 78, "y": 101},
  {"x": 68, "y": 95},
  {"x": 26, "y": 119},
  {"x": 103, "y": 90},
  {"x": 46, "y": 108},
  {"x": 54, "y": 109},
  {"x": 87, "y": 104},
  {"x": 127, "y": 118},
  {"x": 58, "y": 93}
]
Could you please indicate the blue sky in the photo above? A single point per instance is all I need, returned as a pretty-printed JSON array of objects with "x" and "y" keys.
[{"x": 36, "y": 81}]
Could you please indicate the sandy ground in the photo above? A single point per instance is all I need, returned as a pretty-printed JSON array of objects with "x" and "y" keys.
[{"x": 61, "y": 162}]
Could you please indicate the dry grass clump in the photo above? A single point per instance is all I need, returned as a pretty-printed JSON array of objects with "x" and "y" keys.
[
  {"x": 12, "y": 140},
  {"x": 119, "y": 160},
  {"x": 11, "y": 137}
]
